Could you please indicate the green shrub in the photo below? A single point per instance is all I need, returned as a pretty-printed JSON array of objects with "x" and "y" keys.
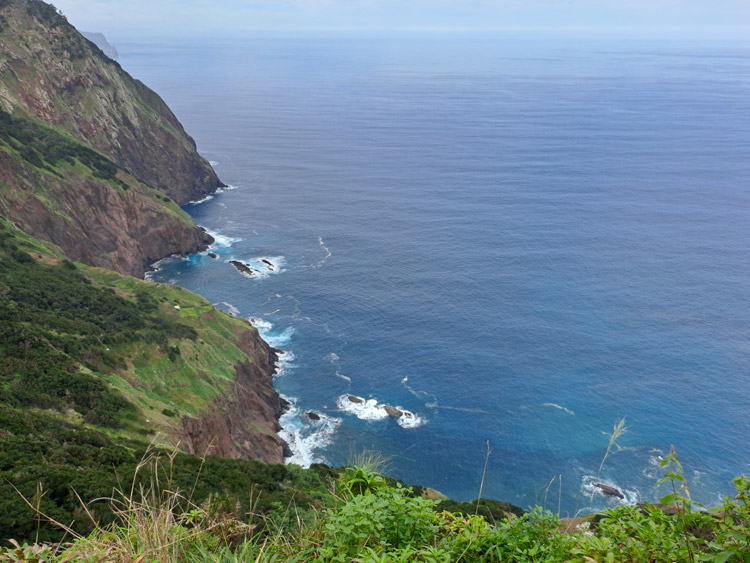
[{"x": 386, "y": 519}]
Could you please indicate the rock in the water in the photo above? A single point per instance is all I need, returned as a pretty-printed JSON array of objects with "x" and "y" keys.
[
  {"x": 268, "y": 264},
  {"x": 392, "y": 411},
  {"x": 610, "y": 491},
  {"x": 243, "y": 268},
  {"x": 312, "y": 415},
  {"x": 356, "y": 400},
  {"x": 213, "y": 255}
]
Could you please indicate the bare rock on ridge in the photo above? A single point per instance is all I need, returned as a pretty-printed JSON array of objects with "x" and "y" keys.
[
  {"x": 50, "y": 71},
  {"x": 243, "y": 422}
]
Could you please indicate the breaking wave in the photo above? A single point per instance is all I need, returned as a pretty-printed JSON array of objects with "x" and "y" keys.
[
  {"x": 278, "y": 338},
  {"x": 202, "y": 200},
  {"x": 306, "y": 436},
  {"x": 221, "y": 241},
  {"x": 372, "y": 410}
]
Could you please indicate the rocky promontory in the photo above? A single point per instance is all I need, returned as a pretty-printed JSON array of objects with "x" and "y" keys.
[
  {"x": 90, "y": 158},
  {"x": 255, "y": 406}
]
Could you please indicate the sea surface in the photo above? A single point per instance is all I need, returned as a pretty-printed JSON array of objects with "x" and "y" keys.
[{"x": 519, "y": 242}]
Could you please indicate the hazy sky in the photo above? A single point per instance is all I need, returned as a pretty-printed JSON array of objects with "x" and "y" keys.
[{"x": 671, "y": 18}]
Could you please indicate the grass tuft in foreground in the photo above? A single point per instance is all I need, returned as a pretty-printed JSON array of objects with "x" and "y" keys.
[{"x": 387, "y": 523}]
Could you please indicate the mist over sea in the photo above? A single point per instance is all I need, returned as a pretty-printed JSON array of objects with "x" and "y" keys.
[{"x": 518, "y": 242}]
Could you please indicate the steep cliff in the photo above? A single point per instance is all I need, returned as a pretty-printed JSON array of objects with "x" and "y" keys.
[
  {"x": 243, "y": 421},
  {"x": 59, "y": 190},
  {"x": 90, "y": 159},
  {"x": 51, "y": 72},
  {"x": 94, "y": 162}
]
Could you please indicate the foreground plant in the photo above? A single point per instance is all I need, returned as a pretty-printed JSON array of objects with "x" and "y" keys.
[
  {"x": 373, "y": 522},
  {"x": 26, "y": 553}
]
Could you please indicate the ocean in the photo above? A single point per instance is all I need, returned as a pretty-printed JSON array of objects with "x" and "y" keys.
[{"x": 518, "y": 242}]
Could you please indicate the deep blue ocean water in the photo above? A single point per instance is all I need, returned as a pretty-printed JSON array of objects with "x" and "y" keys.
[{"x": 519, "y": 242}]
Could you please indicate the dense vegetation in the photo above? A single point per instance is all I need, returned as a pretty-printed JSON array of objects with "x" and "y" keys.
[
  {"x": 53, "y": 320},
  {"x": 66, "y": 333},
  {"x": 372, "y": 521},
  {"x": 46, "y": 149}
]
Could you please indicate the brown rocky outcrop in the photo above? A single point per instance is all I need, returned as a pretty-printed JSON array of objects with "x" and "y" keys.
[
  {"x": 51, "y": 72},
  {"x": 93, "y": 221},
  {"x": 57, "y": 85},
  {"x": 243, "y": 422}
]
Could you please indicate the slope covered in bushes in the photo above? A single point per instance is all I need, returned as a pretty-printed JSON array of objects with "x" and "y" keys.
[
  {"x": 373, "y": 521},
  {"x": 95, "y": 367}
]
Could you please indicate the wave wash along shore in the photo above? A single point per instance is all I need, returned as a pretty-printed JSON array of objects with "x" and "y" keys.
[{"x": 307, "y": 433}]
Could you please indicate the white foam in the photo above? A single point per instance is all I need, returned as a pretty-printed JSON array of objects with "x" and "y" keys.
[
  {"x": 653, "y": 468},
  {"x": 203, "y": 200},
  {"x": 368, "y": 409},
  {"x": 334, "y": 359},
  {"x": 570, "y": 412},
  {"x": 306, "y": 436},
  {"x": 223, "y": 189},
  {"x": 408, "y": 419},
  {"x": 264, "y": 266},
  {"x": 632, "y": 496},
  {"x": 157, "y": 266},
  {"x": 323, "y": 260},
  {"x": 344, "y": 377},
  {"x": 262, "y": 325},
  {"x": 372, "y": 410},
  {"x": 221, "y": 241},
  {"x": 286, "y": 362},
  {"x": 419, "y": 394},
  {"x": 213, "y": 162},
  {"x": 276, "y": 338}
]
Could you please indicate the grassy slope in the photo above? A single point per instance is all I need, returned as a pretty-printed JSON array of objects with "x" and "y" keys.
[
  {"x": 95, "y": 370},
  {"x": 94, "y": 366},
  {"x": 56, "y": 155}
]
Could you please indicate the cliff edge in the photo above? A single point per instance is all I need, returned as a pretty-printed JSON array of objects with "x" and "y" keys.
[
  {"x": 90, "y": 159},
  {"x": 50, "y": 71}
]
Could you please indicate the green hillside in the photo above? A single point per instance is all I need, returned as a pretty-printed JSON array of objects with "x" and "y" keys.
[{"x": 94, "y": 367}]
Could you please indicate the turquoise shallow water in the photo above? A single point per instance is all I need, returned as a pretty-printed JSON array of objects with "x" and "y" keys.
[{"x": 518, "y": 242}]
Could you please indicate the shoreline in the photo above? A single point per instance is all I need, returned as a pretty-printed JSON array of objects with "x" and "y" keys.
[{"x": 274, "y": 357}]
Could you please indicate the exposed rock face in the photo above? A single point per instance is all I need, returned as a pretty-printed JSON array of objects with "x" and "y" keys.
[
  {"x": 57, "y": 85},
  {"x": 92, "y": 221},
  {"x": 51, "y": 72},
  {"x": 392, "y": 411},
  {"x": 609, "y": 491},
  {"x": 115, "y": 206},
  {"x": 244, "y": 421},
  {"x": 243, "y": 268}
]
